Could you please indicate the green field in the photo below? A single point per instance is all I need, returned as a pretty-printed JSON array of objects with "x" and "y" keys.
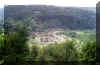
[{"x": 83, "y": 35}]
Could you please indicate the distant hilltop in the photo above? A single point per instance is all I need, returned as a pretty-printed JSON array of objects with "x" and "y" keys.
[
  {"x": 43, "y": 17},
  {"x": 1, "y": 13}
]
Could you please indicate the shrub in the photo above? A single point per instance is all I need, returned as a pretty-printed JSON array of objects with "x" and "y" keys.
[
  {"x": 15, "y": 48},
  {"x": 89, "y": 51}
]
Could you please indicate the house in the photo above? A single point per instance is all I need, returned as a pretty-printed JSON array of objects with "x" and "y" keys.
[{"x": 47, "y": 37}]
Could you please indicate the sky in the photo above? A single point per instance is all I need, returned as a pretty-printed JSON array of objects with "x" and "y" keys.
[{"x": 73, "y": 3}]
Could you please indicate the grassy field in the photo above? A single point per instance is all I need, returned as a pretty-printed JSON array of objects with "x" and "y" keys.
[{"x": 83, "y": 35}]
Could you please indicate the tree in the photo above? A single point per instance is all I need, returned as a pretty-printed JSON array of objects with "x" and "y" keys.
[
  {"x": 89, "y": 51},
  {"x": 1, "y": 48},
  {"x": 15, "y": 47}
]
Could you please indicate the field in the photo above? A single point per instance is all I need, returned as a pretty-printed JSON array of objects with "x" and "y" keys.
[{"x": 83, "y": 35}]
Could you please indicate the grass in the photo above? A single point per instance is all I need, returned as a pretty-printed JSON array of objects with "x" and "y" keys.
[{"x": 83, "y": 35}]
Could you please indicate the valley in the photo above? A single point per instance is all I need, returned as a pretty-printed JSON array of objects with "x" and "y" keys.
[
  {"x": 46, "y": 33},
  {"x": 61, "y": 36}
]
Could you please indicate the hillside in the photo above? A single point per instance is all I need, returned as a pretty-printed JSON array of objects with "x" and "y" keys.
[
  {"x": 43, "y": 17},
  {"x": 1, "y": 13},
  {"x": 48, "y": 33}
]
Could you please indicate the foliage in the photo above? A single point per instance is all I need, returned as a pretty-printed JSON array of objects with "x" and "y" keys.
[
  {"x": 67, "y": 51},
  {"x": 58, "y": 52},
  {"x": 1, "y": 47},
  {"x": 89, "y": 51},
  {"x": 15, "y": 48}
]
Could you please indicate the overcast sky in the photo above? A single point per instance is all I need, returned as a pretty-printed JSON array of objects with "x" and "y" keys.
[{"x": 74, "y": 3}]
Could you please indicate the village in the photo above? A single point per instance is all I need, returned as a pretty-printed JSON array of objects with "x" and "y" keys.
[{"x": 47, "y": 37}]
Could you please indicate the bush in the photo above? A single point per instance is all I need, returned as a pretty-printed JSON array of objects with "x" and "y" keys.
[
  {"x": 67, "y": 51},
  {"x": 56, "y": 52},
  {"x": 89, "y": 51},
  {"x": 1, "y": 47},
  {"x": 15, "y": 48}
]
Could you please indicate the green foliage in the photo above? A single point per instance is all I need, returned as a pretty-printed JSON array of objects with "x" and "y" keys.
[
  {"x": 34, "y": 53},
  {"x": 17, "y": 51},
  {"x": 64, "y": 52},
  {"x": 89, "y": 51},
  {"x": 15, "y": 48},
  {"x": 58, "y": 52},
  {"x": 1, "y": 39},
  {"x": 69, "y": 51},
  {"x": 1, "y": 47}
]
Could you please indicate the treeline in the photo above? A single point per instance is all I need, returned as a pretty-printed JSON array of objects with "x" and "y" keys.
[
  {"x": 15, "y": 51},
  {"x": 70, "y": 51},
  {"x": 13, "y": 47}
]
